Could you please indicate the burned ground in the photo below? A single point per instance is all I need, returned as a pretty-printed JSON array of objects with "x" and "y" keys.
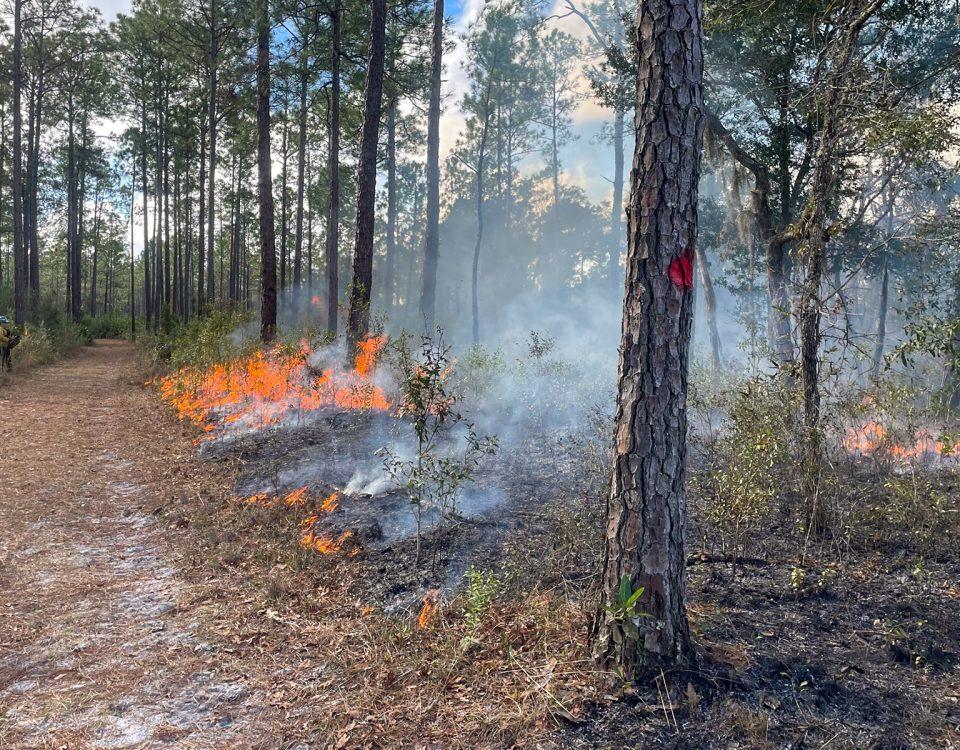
[{"x": 146, "y": 606}]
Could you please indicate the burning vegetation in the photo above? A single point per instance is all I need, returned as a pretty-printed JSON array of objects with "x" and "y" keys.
[{"x": 266, "y": 388}]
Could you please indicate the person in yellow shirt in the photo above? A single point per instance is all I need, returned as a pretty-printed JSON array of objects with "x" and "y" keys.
[{"x": 8, "y": 340}]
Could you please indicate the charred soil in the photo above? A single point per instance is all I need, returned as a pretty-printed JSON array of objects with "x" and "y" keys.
[{"x": 146, "y": 603}]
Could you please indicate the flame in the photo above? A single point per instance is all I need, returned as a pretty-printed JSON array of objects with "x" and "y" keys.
[
  {"x": 324, "y": 544},
  {"x": 296, "y": 497},
  {"x": 263, "y": 388},
  {"x": 261, "y": 498},
  {"x": 429, "y": 610},
  {"x": 872, "y": 438},
  {"x": 330, "y": 503}
]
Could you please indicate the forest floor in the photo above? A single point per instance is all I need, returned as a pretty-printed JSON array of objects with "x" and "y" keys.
[
  {"x": 104, "y": 640},
  {"x": 142, "y": 606}
]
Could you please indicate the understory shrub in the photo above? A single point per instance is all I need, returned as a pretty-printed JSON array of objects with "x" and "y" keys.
[
  {"x": 201, "y": 343},
  {"x": 749, "y": 459},
  {"x": 49, "y": 336}
]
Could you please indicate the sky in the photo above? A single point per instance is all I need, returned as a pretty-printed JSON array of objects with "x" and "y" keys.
[{"x": 587, "y": 161}]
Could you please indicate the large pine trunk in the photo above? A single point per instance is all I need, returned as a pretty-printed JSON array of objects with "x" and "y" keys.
[
  {"x": 428, "y": 293},
  {"x": 647, "y": 503},
  {"x": 359, "y": 319},
  {"x": 268, "y": 251}
]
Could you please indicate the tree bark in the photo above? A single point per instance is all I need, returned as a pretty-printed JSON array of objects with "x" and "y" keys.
[
  {"x": 20, "y": 262},
  {"x": 431, "y": 253},
  {"x": 212, "y": 123},
  {"x": 133, "y": 297},
  {"x": 481, "y": 165},
  {"x": 268, "y": 251},
  {"x": 710, "y": 305},
  {"x": 812, "y": 235},
  {"x": 358, "y": 322},
  {"x": 391, "y": 205},
  {"x": 284, "y": 253},
  {"x": 144, "y": 185},
  {"x": 877, "y": 361},
  {"x": 96, "y": 252},
  {"x": 332, "y": 247},
  {"x": 201, "y": 290},
  {"x": 301, "y": 172},
  {"x": 647, "y": 503}
]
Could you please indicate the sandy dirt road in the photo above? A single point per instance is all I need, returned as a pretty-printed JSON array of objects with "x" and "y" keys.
[{"x": 102, "y": 643}]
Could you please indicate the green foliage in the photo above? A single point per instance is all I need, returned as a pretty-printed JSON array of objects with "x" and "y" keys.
[
  {"x": 481, "y": 590},
  {"x": 113, "y": 326},
  {"x": 624, "y": 608},
  {"x": 434, "y": 476},
  {"x": 479, "y": 371},
  {"x": 749, "y": 460},
  {"x": 203, "y": 342}
]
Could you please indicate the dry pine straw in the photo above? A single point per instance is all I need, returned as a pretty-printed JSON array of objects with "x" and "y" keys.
[{"x": 338, "y": 671}]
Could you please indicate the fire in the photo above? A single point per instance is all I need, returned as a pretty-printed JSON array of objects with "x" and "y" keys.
[
  {"x": 872, "y": 438},
  {"x": 330, "y": 503},
  {"x": 261, "y": 498},
  {"x": 429, "y": 610},
  {"x": 263, "y": 388},
  {"x": 324, "y": 544},
  {"x": 296, "y": 497}
]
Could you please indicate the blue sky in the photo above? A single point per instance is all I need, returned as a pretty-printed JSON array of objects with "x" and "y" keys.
[{"x": 587, "y": 160}]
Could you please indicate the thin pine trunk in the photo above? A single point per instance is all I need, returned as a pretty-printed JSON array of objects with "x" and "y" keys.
[
  {"x": 359, "y": 319},
  {"x": 431, "y": 253}
]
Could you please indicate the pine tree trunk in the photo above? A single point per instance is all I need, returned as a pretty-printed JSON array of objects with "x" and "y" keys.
[
  {"x": 301, "y": 174},
  {"x": 33, "y": 187},
  {"x": 358, "y": 322},
  {"x": 710, "y": 305},
  {"x": 428, "y": 293},
  {"x": 478, "y": 244},
  {"x": 96, "y": 251},
  {"x": 268, "y": 252},
  {"x": 212, "y": 124},
  {"x": 133, "y": 290},
  {"x": 144, "y": 185},
  {"x": 20, "y": 263},
  {"x": 391, "y": 205},
  {"x": 647, "y": 504},
  {"x": 201, "y": 289},
  {"x": 332, "y": 248},
  {"x": 284, "y": 255}
]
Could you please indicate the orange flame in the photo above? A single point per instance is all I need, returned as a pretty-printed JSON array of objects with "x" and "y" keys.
[
  {"x": 330, "y": 503},
  {"x": 263, "y": 388},
  {"x": 296, "y": 497},
  {"x": 429, "y": 610},
  {"x": 872, "y": 438},
  {"x": 261, "y": 498}
]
